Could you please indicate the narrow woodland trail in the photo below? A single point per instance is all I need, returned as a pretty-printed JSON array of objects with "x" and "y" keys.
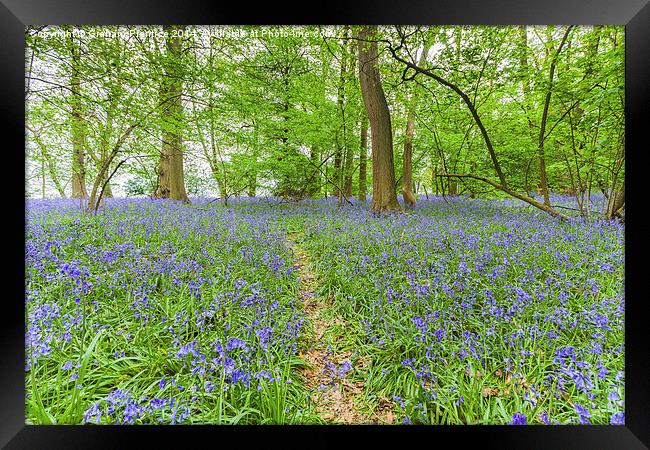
[{"x": 335, "y": 397}]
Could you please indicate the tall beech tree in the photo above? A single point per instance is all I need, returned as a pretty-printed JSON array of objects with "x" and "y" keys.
[
  {"x": 171, "y": 181},
  {"x": 384, "y": 197},
  {"x": 78, "y": 126}
]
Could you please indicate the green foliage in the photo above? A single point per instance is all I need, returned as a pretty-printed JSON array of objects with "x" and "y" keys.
[{"x": 272, "y": 110}]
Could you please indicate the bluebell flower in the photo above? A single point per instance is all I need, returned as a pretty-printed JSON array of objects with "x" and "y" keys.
[
  {"x": 93, "y": 414},
  {"x": 518, "y": 419},
  {"x": 583, "y": 412},
  {"x": 618, "y": 418}
]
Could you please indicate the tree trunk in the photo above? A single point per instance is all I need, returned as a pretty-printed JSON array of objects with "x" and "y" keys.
[
  {"x": 108, "y": 191},
  {"x": 526, "y": 88},
  {"x": 349, "y": 159},
  {"x": 43, "y": 178},
  {"x": 78, "y": 127},
  {"x": 616, "y": 204},
  {"x": 407, "y": 169},
  {"x": 314, "y": 176},
  {"x": 223, "y": 192},
  {"x": 542, "y": 126},
  {"x": 252, "y": 177},
  {"x": 434, "y": 180},
  {"x": 543, "y": 182},
  {"x": 252, "y": 184},
  {"x": 337, "y": 172},
  {"x": 616, "y": 200},
  {"x": 342, "y": 148},
  {"x": 47, "y": 161},
  {"x": 407, "y": 175},
  {"x": 453, "y": 187},
  {"x": 363, "y": 158},
  {"x": 384, "y": 197},
  {"x": 349, "y": 137},
  {"x": 171, "y": 183},
  {"x": 472, "y": 170}
]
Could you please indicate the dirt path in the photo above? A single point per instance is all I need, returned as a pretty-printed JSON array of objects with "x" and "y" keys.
[{"x": 333, "y": 394}]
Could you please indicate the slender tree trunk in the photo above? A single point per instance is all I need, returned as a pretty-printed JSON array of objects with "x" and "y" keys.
[
  {"x": 223, "y": 192},
  {"x": 453, "y": 187},
  {"x": 616, "y": 203},
  {"x": 616, "y": 200},
  {"x": 542, "y": 127},
  {"x": 434, "y": 180},
  {"x": 384, "y": 197},
  {"x": 363, "y": 158},
  {"x": 315, "y": 176},
  {"x": 349, "y": 136},
  {"x": 252, "y": 184},
  {"x": 325, "y": 187},
  {"x": 349, "y": 160},
  {"x": 78, "y": 127},
  {"x": 543, "y": 182},
  {"x": 407, "y": 169},
  {"x": 108, "y": 192},
  {"x": 472, "y": 170},
  {"x": 341, "y": 150},
  {"x": 164, "y": 164},
  {"x": 337, "y": 171},
  {"x": 47, "y": 161},
  {"x": 452, "y": 184},
  {"x": 407, "y": 175},
  {"x": 171, "y": 182},
  {"x": 252, "y": 177},
  {"x": 526, "y": 88},
  {"x": 43, "y": 178}
]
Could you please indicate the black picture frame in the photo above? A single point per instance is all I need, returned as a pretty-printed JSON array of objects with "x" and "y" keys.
[{"x": 16, "y": 14}]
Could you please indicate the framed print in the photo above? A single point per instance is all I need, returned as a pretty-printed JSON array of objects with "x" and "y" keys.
[{"x": 374, "y": 221}]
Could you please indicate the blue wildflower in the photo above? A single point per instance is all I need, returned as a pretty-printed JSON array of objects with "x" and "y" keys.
[{"x": 518, "y": 419}]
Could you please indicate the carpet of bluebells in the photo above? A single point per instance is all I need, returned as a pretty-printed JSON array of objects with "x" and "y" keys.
[
  {"x": 480, "y": 312},
  {"x": 468, "y": 311},
  {"x": 155, "y": 312}
]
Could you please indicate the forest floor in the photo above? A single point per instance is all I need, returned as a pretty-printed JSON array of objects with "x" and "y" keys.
[
  {"x": 337, "y": 399},
  {"x": 461, "y": 312}
]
